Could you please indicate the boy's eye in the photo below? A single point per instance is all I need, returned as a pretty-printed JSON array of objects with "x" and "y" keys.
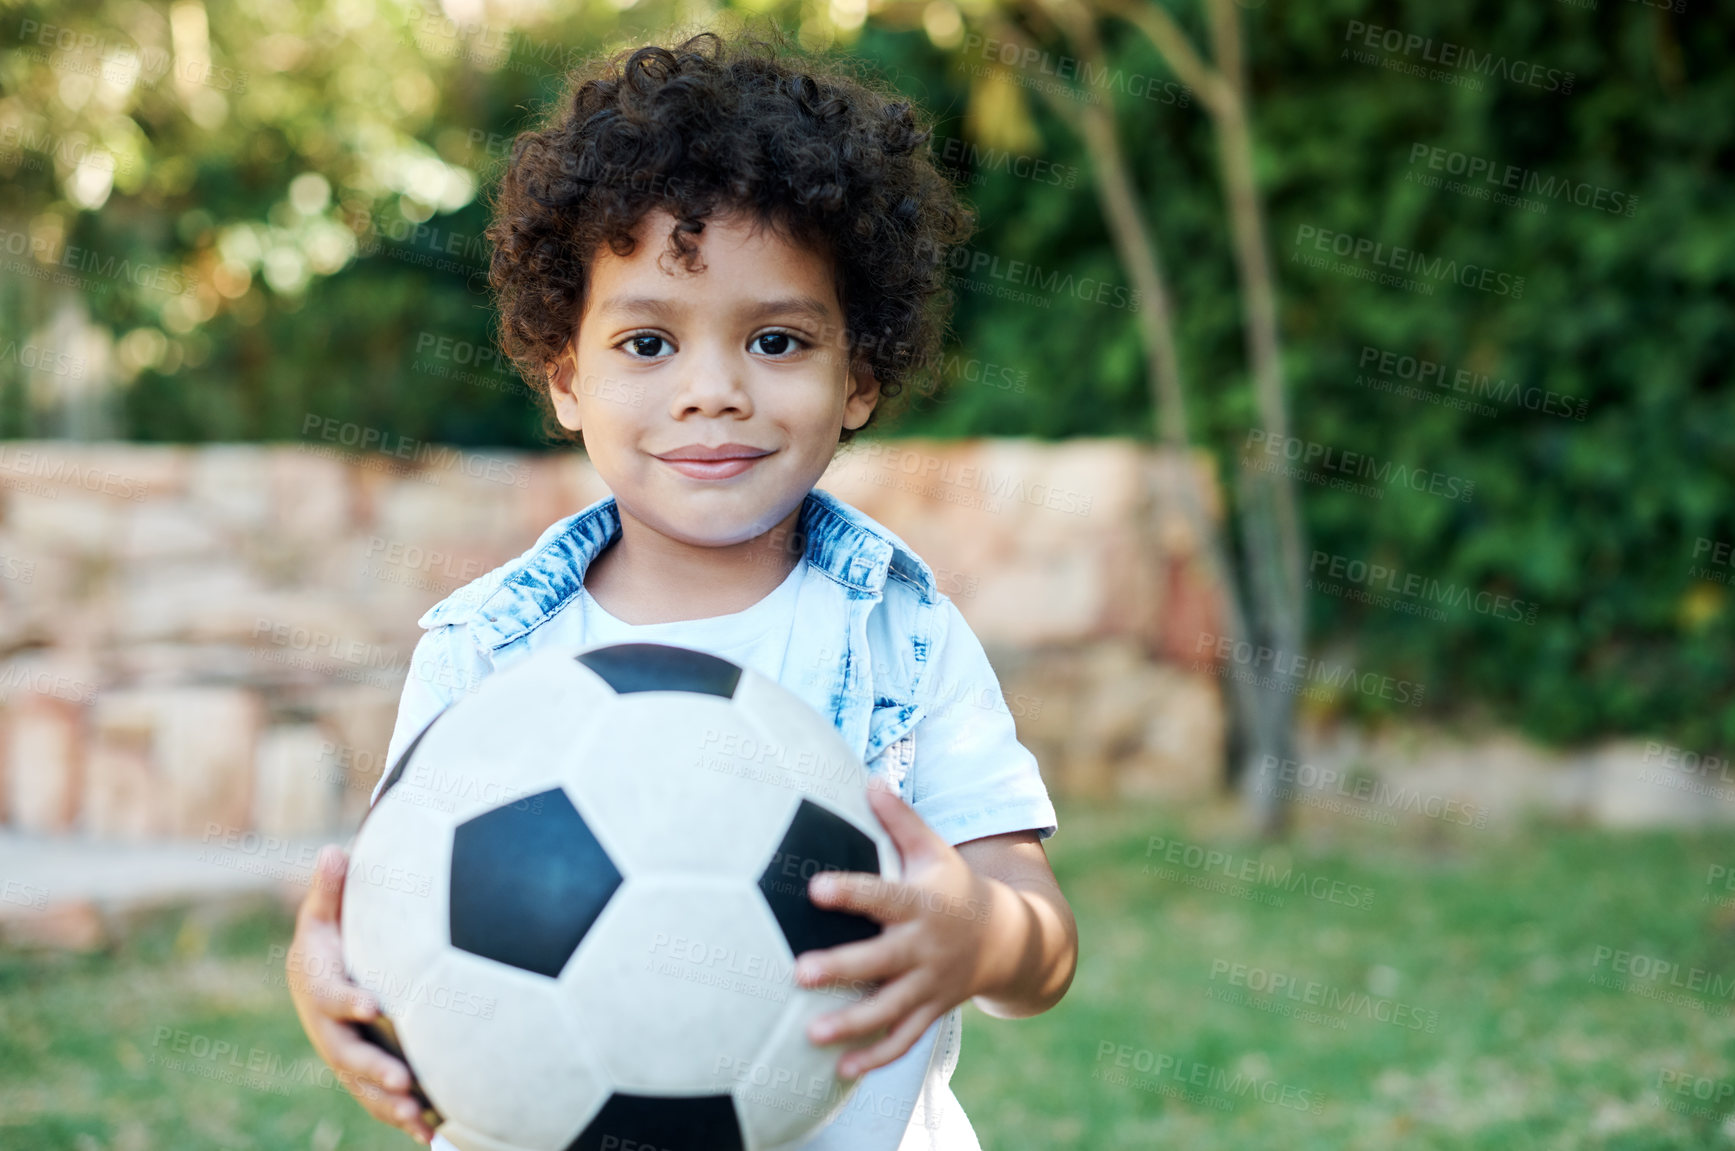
[
  {"x": 644, "y": 347},
  {"x": 776, "y": 343}
]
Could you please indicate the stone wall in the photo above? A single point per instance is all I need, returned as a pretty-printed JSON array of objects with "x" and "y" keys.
[{"x": 203, "y": 641}]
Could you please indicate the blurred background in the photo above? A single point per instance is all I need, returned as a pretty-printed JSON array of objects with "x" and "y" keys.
[{"x": 1333, "y": 449}]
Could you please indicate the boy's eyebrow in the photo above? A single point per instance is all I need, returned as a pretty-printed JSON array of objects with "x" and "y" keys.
[{"x": 662, "y": 309}]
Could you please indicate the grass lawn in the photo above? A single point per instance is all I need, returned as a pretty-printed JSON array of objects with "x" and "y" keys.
[{"x": 1361, "y": 987}]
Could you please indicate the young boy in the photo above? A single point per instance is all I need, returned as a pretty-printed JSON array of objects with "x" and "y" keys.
[{"x": 720, "y": 262}]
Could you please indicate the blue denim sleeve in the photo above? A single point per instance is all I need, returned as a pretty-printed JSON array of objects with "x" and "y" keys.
[
  {"x": 444, "y": 664},
  {"x": 971, "y": 776}
]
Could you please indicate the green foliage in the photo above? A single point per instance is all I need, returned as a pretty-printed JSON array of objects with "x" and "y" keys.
[{"x": 1594, "y": 521}]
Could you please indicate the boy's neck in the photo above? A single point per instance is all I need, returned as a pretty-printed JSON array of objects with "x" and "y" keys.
[{"x": 646, "y": 577}]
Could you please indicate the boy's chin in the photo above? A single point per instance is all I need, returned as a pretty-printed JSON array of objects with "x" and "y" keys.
[{"x": 714, "y": 527}]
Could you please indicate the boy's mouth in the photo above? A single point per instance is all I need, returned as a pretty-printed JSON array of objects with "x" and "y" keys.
[{"x": 720, "y": 462}]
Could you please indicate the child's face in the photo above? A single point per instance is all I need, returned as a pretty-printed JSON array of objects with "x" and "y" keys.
[{"x": 744, "y": 354}]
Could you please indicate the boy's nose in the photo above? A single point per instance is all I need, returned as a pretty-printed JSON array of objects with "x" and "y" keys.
[{"x": 713, "y": 388}]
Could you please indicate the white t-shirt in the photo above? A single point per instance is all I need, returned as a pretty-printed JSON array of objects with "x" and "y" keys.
[
  {"x": 755, "y": 637},
  {"x": 917, "y": 1083}
]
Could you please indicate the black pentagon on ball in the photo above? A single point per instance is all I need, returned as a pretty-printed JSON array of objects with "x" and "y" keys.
[
  {"x": 630, "y": 667},
  {"x": 528, "y": 880},
  {"x": 663, "y": 1122},
  {"x": 816, "y": 841}
]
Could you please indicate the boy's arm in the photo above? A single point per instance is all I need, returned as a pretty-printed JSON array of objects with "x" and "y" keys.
[{"x": 1031, "y": 929}]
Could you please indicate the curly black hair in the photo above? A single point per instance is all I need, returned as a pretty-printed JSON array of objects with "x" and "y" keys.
[{"x": 713, "y": 127}]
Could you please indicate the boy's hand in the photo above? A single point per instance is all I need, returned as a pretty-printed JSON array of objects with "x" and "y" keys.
[
  {"x": 929, "y": 957},
  {"x": 327, "y": 1000}
]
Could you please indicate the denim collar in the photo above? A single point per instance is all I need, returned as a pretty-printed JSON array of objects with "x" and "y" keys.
[{"x": 838, "y": 541}]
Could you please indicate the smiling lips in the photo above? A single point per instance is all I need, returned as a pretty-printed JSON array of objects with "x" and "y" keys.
[{"x": 712, "y": 463}]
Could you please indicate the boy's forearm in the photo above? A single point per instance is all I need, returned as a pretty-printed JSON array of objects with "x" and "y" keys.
[{"x": 1031, "y": 950}]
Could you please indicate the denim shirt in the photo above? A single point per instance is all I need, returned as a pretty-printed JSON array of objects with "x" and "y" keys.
[{"x": 876, "y": 648}]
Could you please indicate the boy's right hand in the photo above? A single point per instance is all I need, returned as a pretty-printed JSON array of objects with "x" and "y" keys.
[{"x": 328, "y": 1001}]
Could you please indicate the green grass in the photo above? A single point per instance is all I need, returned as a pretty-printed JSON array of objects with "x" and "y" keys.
[
  {"x": 1490, "y": 936},
  {"x": 1495, "y": 933}
]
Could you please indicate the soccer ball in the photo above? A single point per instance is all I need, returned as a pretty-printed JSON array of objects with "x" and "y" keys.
[{"x": 580, "y": 895}]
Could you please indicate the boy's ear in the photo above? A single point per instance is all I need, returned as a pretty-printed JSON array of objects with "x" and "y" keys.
[
  {"x": 864, "y": 393},
  {"x": 562, "y": 374}
]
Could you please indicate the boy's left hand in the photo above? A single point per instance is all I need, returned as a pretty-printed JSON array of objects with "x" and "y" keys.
[{"x": 931, "y": 954}]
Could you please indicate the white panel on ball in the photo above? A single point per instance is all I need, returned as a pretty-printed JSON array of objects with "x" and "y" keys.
[
  {"x": 509, "y": 739},
  {"x": 695, "y": 812},
  {"x": 817, "y": 763},
  {"x": 394, "y": 901},
  {"x": 666, "y": 953},
  {"x": 791, "y": 1084},
  {"x": 540, "y": 1087}
]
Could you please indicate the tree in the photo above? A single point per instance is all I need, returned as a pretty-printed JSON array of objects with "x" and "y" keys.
[{"x": 1262, "y": 586}]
